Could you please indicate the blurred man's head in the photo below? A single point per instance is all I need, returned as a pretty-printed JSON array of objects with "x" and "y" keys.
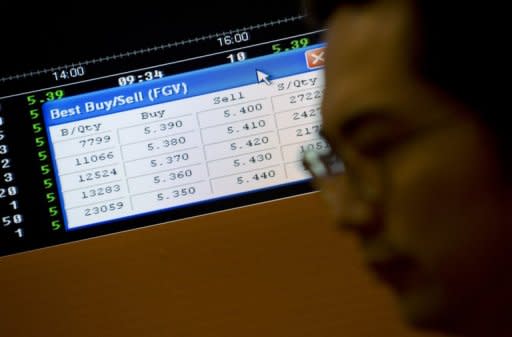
[{"x": 412, "y": 109}]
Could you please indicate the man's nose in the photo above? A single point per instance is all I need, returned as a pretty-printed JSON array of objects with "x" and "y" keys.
[{"x": 352, "y": 209}]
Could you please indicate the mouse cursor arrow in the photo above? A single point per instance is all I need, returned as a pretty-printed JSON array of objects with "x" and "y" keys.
[{"x": 263, "y": 77}]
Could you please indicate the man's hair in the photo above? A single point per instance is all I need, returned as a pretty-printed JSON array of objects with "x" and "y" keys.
[{"x": 461, "y": 47}]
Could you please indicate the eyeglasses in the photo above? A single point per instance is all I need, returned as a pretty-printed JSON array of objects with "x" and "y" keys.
[
  {"x": 322, "y": 163},
  {"x": 325, "y": 166}
]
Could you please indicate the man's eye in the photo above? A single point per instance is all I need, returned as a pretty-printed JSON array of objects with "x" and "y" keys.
[{"x": 378, "y": 147}]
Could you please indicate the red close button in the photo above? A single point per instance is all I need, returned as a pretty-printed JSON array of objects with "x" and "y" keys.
[{"x": 315, "y": 58}]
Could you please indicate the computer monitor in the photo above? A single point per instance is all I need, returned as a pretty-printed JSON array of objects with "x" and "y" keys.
[{"x": 149, "y": 117}]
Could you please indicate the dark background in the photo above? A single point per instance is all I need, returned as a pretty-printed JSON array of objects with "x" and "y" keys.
[{"x": 38, "y": 36}]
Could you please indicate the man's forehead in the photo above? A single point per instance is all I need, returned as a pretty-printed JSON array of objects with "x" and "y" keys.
[
  {"x": 366, "y": 58},
  {"x": 362, "y": 35}
]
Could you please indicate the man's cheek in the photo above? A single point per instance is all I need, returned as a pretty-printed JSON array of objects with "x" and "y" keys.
[{"x": 415, "y": 205}]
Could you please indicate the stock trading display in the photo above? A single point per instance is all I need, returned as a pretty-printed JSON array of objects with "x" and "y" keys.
[{"x": 199, "y": 121}]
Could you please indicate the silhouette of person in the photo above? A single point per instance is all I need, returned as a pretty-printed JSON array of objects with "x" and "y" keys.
[{"x": 419, "y": 162}]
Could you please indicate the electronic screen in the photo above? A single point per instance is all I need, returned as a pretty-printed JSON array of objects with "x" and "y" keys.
[{"x": 208, "y": 118}]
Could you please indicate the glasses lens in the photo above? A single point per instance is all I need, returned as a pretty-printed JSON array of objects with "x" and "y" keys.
[{"x": 322, "y": 163}]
